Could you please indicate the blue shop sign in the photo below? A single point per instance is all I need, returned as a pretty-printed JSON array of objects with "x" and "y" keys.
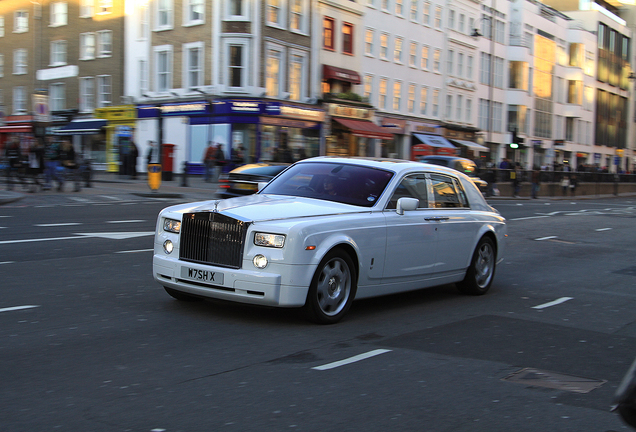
[
  {"x": 193, "y": 108},
  {"x": 238, "y": 106}
]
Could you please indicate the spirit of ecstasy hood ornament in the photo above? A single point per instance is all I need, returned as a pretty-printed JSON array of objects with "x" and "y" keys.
[{"x": 216, "y": 206}]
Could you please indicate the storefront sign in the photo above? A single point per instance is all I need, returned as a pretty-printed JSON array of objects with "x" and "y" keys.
[
  {"x": 237, "y": 107},
  {"x": 536, "y": 143},
  {"x": 184, "y": 109},
  {"x": 350, "y": 111},
  {"x": 430, "y": 128},
  {"x": 597, "y": 157},
  {"x": 278, "y": 121},
  {"x": 397, "y": 126}
]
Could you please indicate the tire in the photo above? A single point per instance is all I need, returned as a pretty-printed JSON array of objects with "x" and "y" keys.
[
  {"x": 481, "y": 272},
  {"x": 332, "y": 288},
  {"x": 181, "y": 296}
]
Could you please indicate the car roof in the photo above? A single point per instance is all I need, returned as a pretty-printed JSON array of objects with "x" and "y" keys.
[{"x": 398, "y": 166}]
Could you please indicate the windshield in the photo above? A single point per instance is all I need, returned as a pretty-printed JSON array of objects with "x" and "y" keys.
[{"x": 344, "y": 183}]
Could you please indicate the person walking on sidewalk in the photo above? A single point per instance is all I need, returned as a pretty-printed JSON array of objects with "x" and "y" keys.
[
  {"x": 209, "y": 162},
  {"x": 51, "y": 162},
  {"x": 536, "y": 181},
  {"x": 68, "y": 161},
  {"x": 36, "y": 165},
  {"x": 13, "y": 156}
]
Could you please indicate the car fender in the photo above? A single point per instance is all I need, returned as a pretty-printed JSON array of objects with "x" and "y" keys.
[{"x": 332, "y": 241}]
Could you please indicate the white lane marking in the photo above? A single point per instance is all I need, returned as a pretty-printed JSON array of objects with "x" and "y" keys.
[
  {"x": 112, "y": 236},
  {"x": 7, "y": 262},
  {"x": 545, "y": 238},
  {"x": 552, "y": 303},
  {"x": 79, "y": 199},
  {"x": 4, "y": 216},
  {"x": 603, "y": 229},
  {"x": 352, "y": 359},
  {"x": 15, "y": 308},
  {"x": 112, "y": 197},
  {"x": 57, "y": 224},
  {"x": 126, "y": 221},
  {"x": 135, "y": 251},
  {"x": 529, "y": 217}
]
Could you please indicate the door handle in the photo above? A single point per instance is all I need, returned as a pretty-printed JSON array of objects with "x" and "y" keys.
[{"x": 437, "y": 218}]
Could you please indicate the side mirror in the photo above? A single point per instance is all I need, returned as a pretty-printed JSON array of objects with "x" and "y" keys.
[
  {"x": 261, "y": 185},
  {"x": 625, "y": 397},
  {"x": 406, "y": 204}
]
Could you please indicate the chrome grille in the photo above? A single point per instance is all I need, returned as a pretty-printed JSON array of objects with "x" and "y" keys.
[{"x": 212, "y": 238}]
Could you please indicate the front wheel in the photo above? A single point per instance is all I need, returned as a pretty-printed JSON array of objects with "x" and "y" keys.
[
  {"x": 332, "y": 288},
  {"x": 481, "y": 272}
]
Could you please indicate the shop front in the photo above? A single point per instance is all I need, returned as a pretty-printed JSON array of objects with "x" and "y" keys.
[
  {"x": 20, "y": 126},
  {"x": 352, "y": 133},
  {"x": 88, "y": 138},
  {"x": 114, "y": 151},
  {"x": 429, "y": 144}
]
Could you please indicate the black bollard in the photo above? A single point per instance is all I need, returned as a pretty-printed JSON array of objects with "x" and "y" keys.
[{"x": 184, "y": 176}]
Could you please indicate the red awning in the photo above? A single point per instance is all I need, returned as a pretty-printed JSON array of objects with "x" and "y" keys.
[
  {"x": 365, "y": 129},
  {"x": 15, "y": 129},
  {"x": 340, "y": 74}
]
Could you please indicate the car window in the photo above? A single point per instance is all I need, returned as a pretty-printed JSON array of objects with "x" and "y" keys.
[
  {"x": 411, "y": 186},
  {"x": 446, "y": 193},
  {"x": 467, "y": 167},
  {"x": 264, "y": 170},
  {"x": 345, "y": 183}
]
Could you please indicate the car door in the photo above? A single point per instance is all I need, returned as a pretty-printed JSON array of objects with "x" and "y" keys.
[
  {"x": 411, "y": 241},
  {"x": 457, "y": 226}
]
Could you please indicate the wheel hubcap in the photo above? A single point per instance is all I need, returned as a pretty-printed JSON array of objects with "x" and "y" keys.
[
  {"x": 334, "y": 286},
  {"x": 484, "y": 265}
]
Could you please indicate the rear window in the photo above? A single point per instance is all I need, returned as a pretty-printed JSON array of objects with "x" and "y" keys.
[{"x": 265, "y": 170}]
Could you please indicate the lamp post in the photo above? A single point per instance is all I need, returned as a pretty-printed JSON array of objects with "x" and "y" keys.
[{"x": 476, "y": 34}]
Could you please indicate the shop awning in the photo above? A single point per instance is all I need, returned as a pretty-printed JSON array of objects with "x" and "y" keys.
[
  {"x": 434, "y": 141},
  {"x": 340, "y": 74},
  {"x": 365, "y": 129},
  {"x": 471, "y": 145},
  {"x": 81, "y": 127},
  {"x": 15, "y": 129}
]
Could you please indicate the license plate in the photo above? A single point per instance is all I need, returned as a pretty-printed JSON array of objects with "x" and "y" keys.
[
  {"x": 246, "y": 186},
  {"x": 202, "y": 275}
]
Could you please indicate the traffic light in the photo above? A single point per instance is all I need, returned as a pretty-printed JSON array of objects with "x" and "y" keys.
[{"x": 517, "y": 142}]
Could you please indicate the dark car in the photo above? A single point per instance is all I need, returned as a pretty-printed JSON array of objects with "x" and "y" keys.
[
  {"x": 460, "y": 164},
  {"x": 244, "y": 180}
]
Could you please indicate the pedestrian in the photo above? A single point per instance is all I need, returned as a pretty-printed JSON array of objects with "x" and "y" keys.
[
  {"x": 573, "y": 184},
  {"x": 536, "y": 181},
  {"x": 36, "y": 165},
  {"x": 68, "y": 161},
  {"x": 134, "y": 154},
  {"x": 13, "y": 156},
  {"x": 565, "y": 184},
  {"x": 516, "y": 181},
  {"x": 209, "y": 162},
  {"x": 150, "y": 154},
  {"x": 51, "y": 162},
  {"x": 219, "y": 162}
]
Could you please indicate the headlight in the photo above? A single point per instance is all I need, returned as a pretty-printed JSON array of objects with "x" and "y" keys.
[
  {"x": 168, "y": 247},
  {"x": 171, "y": 225},
  {"x": 269, "y": 240},
  {"x": 260, "y": 261}
]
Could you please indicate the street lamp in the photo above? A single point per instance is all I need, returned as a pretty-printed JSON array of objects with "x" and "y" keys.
[{"x": 475, "y": 33}]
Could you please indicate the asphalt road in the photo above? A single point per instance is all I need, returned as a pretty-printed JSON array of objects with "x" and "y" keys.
[{"x": 89, "y": 342}]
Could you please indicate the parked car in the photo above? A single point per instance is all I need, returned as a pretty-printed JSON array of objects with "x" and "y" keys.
[
  {"x": 328, "y": 230},
  {"x": 244, "y": 180},
  {"x": 464, "y": 165}
]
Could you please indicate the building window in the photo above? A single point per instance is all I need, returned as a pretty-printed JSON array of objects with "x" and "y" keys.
[
  {"x": 399, "y": 7},
  {"x": 435, "y": 103},
  {"x": 469, "y": 68},
  {"x": 451, "y": 19},
  {"x": 86, "y": 8},
  {"x": 58, "y": 53},
  {"x": 105, "y": 38},
  {"x": 1, "y": 26},
  {"x": 499, "y": 70},
  {"x": 437, "y": 55},
  {"x": 163, "y": 68},
  {"x": 397, "y": 95},
  {"x": 368, "y": 87},
  {"x": 382, "y": 93},
  {"x": 59, "y": 14},
  {"x": 299, "y": 16},
  {"x": 1, "y": 65},
  {"x": 458, "y": 114},
  {"x": 424, "y": 59},
  {"x": 19, "y": 100},
  {"x": 518, "y": 78},
  {"x": 368, "y": 42},
  {"x": 143, "y": 76},
  {"x": 20, "y": 21},
  {"x": 449, "y": 62},
  {"x": 347, "y": 38},
  {"x": 462, "y": 23},
  {"x": 195, "y": 12},
  {"x": 273, "y": 72},
  {"x": 413, "y": 13},
  {"x": 384, "y": 46},
  {"x": 449, "y": 107},
  {"x": 236, "y": 9},
  {"x": 275, "y": 13},
  {"x": 469, "y": 110},
  {"x": 20, "y": 66},
  {"x": 460, "y": 65},
  {"x": 438, "y": 17},
  {"x": 57, "y": 97},
  {"x": 297, "y": 76},
  {"x": 87, "y": 46},
  {"x": 485, "y": 69},
  {"x": 236, "y": 65},
  {"x": 413, "y": 54},
  {"x": 423, "y": 100},
  {"x": 104, "y": 7},
  {"x": 193, "y": 67},
  {"x": 426, "y": 13},
  {"x": 411, "y": 102},
  {"x": 87, "y": 94},
  {"x": 105, "y": 91},
  {"x": 327, "y": 33},
  {"x": 397, "y": 53},
  {"x": 164, "y": 14},
  {"x": 385, "y": 5}
]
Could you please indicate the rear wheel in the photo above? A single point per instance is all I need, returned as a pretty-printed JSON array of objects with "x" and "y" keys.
[
  {"x": 181, "y": 296},
  {"x": 481, "y": 272},
  {"x": 332, "y": 288}
]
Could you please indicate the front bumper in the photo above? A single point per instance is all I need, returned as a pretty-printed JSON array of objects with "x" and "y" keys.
[{"x": 244, "y": 286}]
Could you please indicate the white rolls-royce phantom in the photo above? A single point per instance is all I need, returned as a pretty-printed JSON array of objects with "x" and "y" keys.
[{"x": 329, "y": 230}]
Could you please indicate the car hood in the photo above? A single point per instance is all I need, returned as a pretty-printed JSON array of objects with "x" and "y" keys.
[{"x": 262, "y": 207}]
